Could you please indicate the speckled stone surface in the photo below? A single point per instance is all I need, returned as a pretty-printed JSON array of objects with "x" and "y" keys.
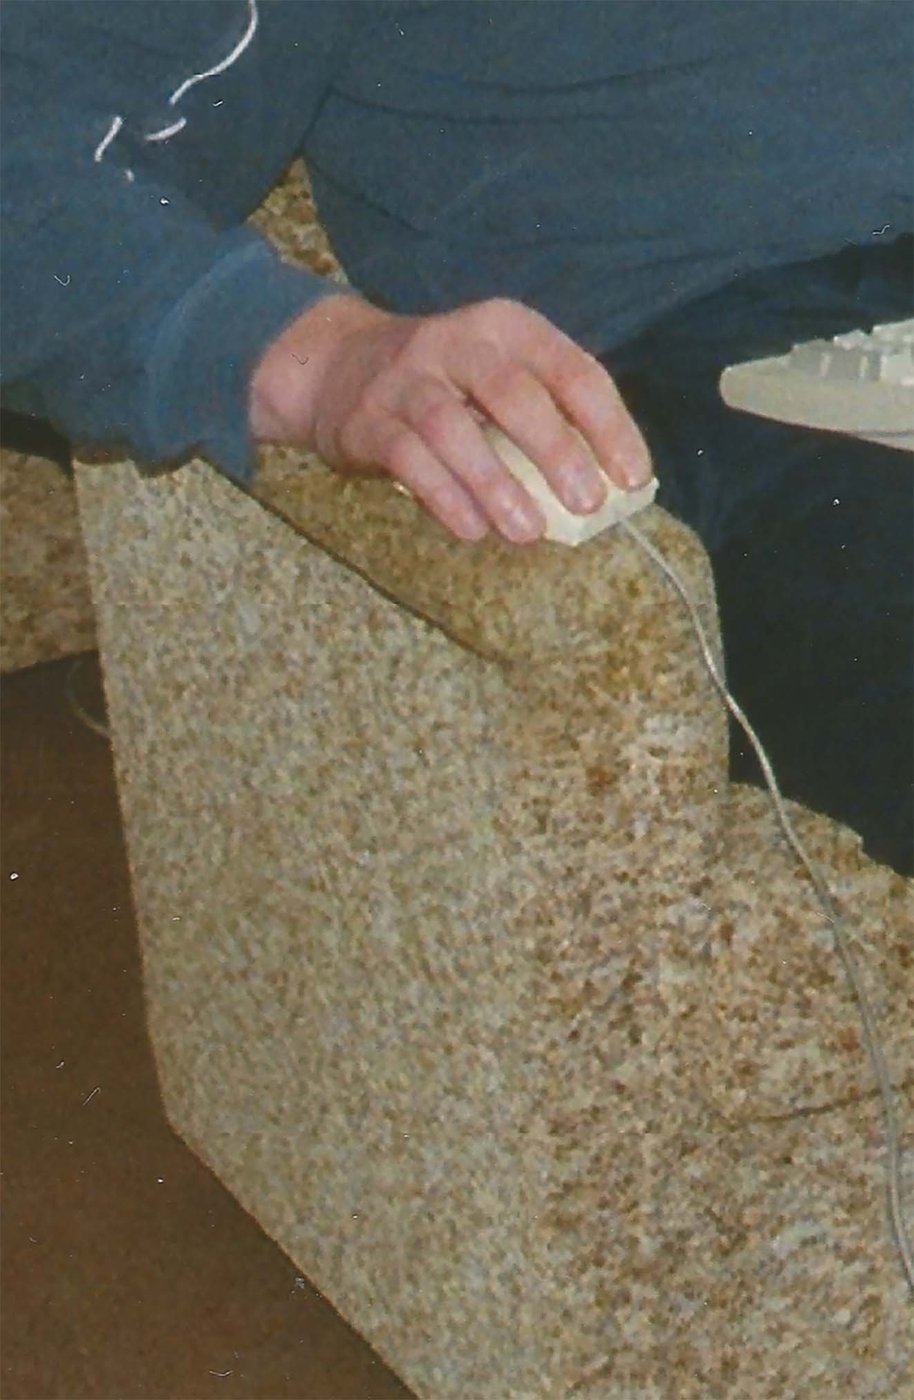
[
  {"x": 45, "y": 607},
  {"x": 288, "y": 217},
  {"x": 45, "y": 603},
  {"x": 467, "y": 971}
]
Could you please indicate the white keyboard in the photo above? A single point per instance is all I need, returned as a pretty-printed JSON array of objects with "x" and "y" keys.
[{"x": 860, "y": 383}]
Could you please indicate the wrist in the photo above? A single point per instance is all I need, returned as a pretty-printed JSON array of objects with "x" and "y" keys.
[{"x": 286, "y": 380}]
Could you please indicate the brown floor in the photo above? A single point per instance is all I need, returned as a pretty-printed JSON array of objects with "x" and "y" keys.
[{"x": 127, "y": 1270}]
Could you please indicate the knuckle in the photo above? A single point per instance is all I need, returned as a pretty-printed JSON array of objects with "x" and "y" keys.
[
  {"x": 367, "y": 405},
  {"x": 350, "y": 437},
  {"x": 502, "y": 305},
  {"x": 498, "y": 313},
  {"x": 436, "y": 421},
  {"x": 404, "y": 454},
  {"x": 577, "y": 378},
  {"x": 488, "y": 362},
  {"x": 421, "y": 341},
  {"x": 417, "y": 336},
  {"x": 508, "y": 387}
]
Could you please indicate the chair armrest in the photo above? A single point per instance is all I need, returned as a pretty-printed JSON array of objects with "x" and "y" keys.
[{"x": 514, "y": 603}]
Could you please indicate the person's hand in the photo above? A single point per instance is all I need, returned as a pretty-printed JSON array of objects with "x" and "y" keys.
[{"x": 372, "y": 391}]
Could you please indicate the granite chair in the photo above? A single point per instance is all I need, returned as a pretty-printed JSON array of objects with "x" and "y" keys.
[{"x": 467, "y": 970}]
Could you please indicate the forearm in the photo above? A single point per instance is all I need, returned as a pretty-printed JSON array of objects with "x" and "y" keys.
[{"x": 131, "y": 319}]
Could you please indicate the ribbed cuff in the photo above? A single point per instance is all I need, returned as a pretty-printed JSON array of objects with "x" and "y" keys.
[{"x": 205, "y": 352}]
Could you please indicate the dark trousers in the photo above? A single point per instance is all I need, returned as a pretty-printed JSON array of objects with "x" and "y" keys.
[{"x": 810, "y": 538}]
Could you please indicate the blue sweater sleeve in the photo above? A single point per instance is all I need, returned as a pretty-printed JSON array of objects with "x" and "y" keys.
[{"x": 129, "y": 319}]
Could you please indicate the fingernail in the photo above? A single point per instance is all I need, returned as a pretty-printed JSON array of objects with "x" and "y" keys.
[
  {"x": 638, "y": 470},
  {"x": 473, "y": 528},
  {"x": 637, "y": 476},
  {"x": 524, "y": 523},
  {"x": 585, "y": 493}
]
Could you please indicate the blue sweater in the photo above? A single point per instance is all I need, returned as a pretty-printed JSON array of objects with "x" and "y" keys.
[{"x": 602, "y": 160}]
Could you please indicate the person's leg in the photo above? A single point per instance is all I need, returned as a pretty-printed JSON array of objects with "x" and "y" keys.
[
  {"x": 816, "y": 608},
  {"x": 810, "y": 538}
]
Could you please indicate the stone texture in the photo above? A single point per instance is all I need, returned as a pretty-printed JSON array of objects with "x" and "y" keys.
[
  {"x": 45, "y": 607},
  {"x": 469, "y": 973},
  {"x": 288, "y": 217}
]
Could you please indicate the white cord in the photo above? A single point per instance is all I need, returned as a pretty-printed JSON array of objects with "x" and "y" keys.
[{"x": 835, "y": 918}]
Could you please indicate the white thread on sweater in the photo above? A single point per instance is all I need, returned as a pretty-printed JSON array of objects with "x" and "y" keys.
[
  {"x": 166, "y": 132},
  {"x": 113, "y": 129},
  {"x": 840, "y": 938},
  {"x": 227, "y": 62}
]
